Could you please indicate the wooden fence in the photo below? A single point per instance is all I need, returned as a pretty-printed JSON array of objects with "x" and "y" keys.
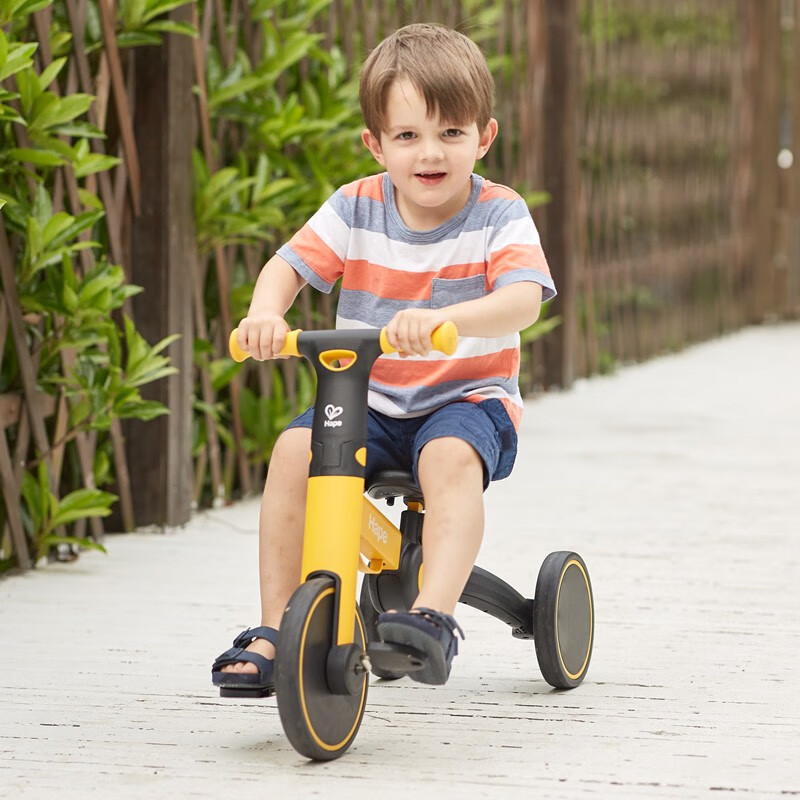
[
  {"x": 685, "y": 224},
  {"x": 654, "y": 128}
]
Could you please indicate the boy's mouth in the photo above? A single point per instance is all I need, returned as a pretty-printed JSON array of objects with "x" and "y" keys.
[{"x": 430, "y": 177}]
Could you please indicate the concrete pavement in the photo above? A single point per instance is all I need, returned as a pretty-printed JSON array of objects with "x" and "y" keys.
[{"x": 679, "y": 483}]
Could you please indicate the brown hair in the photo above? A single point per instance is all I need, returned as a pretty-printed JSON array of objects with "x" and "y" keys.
[{"x": 447, "y": 68}]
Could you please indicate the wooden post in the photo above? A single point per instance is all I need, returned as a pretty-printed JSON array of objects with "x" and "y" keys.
[
  {"x": 793, "y": 200},
  {"x": 561, "y": 181},
  {"x": 159, "y": 451},
  {"x": 767, "y": 183},
  {"x": 756, "y": 184}
]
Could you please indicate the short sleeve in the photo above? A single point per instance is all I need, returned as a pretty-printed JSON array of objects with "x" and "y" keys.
[
  {"x": 318, "y": 250},
  {"x": 515, "y": 251}
]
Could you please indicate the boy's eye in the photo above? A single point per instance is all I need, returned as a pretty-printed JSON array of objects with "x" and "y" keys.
[
  {"x": 405, "y": 135},
  {"x": 453, "y": 132}
]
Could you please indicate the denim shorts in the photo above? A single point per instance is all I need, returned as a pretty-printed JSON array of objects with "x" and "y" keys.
[{"x": 394, "y": 443}]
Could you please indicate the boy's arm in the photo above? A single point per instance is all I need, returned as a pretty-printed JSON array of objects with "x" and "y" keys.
[
  {"x": 262, "y": 332},
  {"x": 506, "y": 310},
  {"x": 501, "y": 312}
]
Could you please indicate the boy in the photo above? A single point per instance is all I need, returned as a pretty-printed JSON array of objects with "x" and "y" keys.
[{"x": 424, "y": 242}]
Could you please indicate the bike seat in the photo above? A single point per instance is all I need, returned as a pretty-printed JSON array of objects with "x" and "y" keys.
[{"x": 394, "y": 483}]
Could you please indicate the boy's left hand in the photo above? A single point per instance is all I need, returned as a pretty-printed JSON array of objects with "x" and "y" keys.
[{"x": 410, "y": 330}]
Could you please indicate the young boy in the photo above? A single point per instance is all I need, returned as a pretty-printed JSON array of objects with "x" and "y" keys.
[{"x": 424, "y": 242}]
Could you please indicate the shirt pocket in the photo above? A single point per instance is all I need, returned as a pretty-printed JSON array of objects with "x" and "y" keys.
[{"x": 449, "y": 291}]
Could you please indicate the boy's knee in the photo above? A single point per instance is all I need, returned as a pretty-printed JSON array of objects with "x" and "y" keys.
[
  {"x": 447, "y": 459},
  {"x": 291, "y": 451}
]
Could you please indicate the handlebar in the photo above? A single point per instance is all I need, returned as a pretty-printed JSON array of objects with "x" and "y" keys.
[{"x": 445, "y": 340}]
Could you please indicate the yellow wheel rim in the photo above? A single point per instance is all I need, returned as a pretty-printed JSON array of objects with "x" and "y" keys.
[
  {"x": 309, "y": 724},
  {"x": 574, "y": 563}
]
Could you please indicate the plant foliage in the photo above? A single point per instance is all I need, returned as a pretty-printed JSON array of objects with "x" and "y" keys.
[{"x": 83, "y": 349}]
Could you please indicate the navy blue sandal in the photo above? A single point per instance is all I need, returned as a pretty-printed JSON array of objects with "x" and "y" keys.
[
  {"x": 246, "y": 684},
  {"x": 431, "y": 632}
]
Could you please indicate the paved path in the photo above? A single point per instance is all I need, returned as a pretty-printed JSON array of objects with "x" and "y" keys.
[{"x": 679, "y": 483}]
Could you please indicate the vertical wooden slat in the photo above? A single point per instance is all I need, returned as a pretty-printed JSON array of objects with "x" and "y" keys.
[
  {"x": 11, "y": 498},
  {"x": 107, "y": 16},
  {"x": 793, "y": 201},
  {"x": 162, "y": 254},
  {"x": 561, "y": 181},
  {"x": 769, "y": 98}
]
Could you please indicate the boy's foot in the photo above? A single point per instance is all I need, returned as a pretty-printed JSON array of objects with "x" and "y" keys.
[
  {"x": 249, "y": 666},
  {"x": 429, "y": 631}
]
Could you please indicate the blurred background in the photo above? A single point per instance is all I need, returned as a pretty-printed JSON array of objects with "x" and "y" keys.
[{"x": 154, "y": 154}]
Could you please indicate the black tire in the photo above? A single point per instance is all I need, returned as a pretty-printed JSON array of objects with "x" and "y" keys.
[
  {"x": 320, "y": 725},
  {"x": 563, "y": 620},
  {"x": 370, "y": 616}
]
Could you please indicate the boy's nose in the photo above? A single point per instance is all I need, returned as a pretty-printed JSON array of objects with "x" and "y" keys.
[{"x": 432, "y": 151}]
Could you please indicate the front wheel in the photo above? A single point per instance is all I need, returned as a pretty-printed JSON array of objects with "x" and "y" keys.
[
  {"x": 563, "y": 619},
  {"x": 320, "y": 724}
]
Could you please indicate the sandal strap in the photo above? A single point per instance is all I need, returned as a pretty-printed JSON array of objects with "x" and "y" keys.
[
  {"x": 238, "y": 654},
  {"x": 261, "y": 632},
  {"x": 446, "y": 621}
]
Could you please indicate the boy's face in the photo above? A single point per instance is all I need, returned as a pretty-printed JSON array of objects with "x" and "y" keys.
[{"x": 429, "y": 160}]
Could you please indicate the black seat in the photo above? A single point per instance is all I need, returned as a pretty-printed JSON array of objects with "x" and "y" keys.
[{"x": 394, "y": 483}]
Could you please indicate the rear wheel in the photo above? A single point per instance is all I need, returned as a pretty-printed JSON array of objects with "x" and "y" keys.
[
  {"x": 563, "y": 619},
  {"x": 320, "y": 723}
]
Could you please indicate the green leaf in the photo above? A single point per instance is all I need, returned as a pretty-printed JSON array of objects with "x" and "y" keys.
[
  {"x": 49, "y": 74},
  {"x": 171, "y": 26},
  {"x": 137, "y": 39},
  {"x": 85, "y": 500},
  {"x": 81, "y": 128},
  {"x": 45, "y": 141},
  {"x": 18, "y": 57},
  {"x": 61, "y": 111},
  {"x": 158, "y": 7},
  {"x": 86, "y": 544},
  {"x": 90, "y": 200},
  {"x": 240, "y": 88},
  {"x": 143, "y": 409},
  {"x": 95, "y": 162},
  {"x": 34, "y": 240},
  {"x": 55, "y": 225},
  {"x": 84, "y": 221},
  {"x": 132, "y": 13},
  {"x": 35, "y": 503},
  {"x": 40, "y": 158}
]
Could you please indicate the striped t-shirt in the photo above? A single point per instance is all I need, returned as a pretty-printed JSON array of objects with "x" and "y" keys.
[{"x": 359, "y": 236}]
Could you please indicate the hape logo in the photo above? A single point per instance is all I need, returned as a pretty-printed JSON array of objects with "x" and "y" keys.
[{"x": 331, "y": 412}]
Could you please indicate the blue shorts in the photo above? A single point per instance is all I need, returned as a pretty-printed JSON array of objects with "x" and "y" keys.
[{"x": 394, "y": 443}]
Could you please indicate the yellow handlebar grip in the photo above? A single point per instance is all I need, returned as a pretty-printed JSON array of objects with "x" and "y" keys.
[
  {"x": 237, "y": 354},
  {"x": 289, "y": 346},
  {"x": 445, "y": 339}
]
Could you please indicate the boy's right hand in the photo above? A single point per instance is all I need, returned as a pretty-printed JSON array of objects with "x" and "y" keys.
[{"x": 262, "y": 336}]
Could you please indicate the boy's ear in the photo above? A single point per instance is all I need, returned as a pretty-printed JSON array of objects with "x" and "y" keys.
[
  {"x": 373, "y": 144},
  {"x": 487, "y": 137}
]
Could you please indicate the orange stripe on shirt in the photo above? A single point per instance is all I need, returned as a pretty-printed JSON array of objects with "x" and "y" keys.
[
  {"x": 409, "y": 372},
  {"x": 360, "y": 275},
  {"x": 513, "y": 257},
  {"x": 310, "y": 247},
  {"x": 371, "y": 187},
  {"x": 496, "y": 191}
]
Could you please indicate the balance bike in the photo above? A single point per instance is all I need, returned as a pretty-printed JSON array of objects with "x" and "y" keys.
[{"x": 328, "y": 645}]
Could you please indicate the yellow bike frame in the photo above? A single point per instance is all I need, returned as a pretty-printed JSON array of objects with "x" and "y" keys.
[{"x": 340, "y": 522}]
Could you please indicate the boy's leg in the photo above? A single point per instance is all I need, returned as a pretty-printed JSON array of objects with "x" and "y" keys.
[
  {"x": 281, "y": 525},
  {"x": 451, "y": 477}
]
